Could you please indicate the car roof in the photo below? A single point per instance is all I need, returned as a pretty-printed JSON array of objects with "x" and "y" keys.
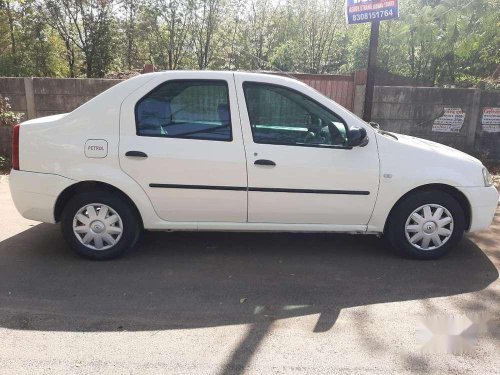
[{"x": 209, "y": 73}]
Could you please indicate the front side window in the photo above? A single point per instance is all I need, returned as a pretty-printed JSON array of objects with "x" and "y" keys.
[
  {"x": 186, "y": 109},
  {"x": 279, "y": 115}
]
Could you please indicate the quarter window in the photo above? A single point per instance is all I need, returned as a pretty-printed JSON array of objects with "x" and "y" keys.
[
  {"x": 283, "y": 116},
  {"x": 186, "y": 109}
]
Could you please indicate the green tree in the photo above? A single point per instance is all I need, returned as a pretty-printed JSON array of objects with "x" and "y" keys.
[
  {"x": 87, "y": 25},
  {"x": 444, "y": 42}
]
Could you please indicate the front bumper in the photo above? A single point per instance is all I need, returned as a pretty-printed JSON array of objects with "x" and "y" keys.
[
  {"x": 483, "y": 202},
  {"x": 35, "y": 194}
]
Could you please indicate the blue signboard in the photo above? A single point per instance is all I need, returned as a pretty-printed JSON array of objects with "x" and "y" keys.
[{"x": 360, "y": 11}]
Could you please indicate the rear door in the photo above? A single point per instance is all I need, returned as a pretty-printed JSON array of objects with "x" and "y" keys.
[
  {"x": 180, "y": 139},
  {"x": 300, "y": 170}
]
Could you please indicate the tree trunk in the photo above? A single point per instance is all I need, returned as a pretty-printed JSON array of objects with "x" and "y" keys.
[
  {"x": 11, "y": 30},
  {"x": 130, "y": 35},
  {"x": 70, "y": 58},
  {"x": 88, "y": 64}
]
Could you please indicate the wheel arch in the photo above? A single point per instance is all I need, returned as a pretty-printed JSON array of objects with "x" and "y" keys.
[
  {"x": 82, "y": 186},
  {"x": 453, "y": 191}
]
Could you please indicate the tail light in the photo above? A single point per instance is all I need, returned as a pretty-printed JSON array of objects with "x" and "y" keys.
[{"x": 15, "y": 147}]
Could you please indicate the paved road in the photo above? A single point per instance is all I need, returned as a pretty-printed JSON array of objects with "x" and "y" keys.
[{"x": 215, "y": 303}]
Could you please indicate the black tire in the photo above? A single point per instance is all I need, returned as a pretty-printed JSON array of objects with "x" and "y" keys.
[
  {"x": 131, "y": 224},
  {"x": 395, "y": 228}
]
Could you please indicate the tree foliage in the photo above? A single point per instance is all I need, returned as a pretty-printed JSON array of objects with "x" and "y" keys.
[
  {"x": 7, "y": 116},
  {"x": 452, "y": 42}
]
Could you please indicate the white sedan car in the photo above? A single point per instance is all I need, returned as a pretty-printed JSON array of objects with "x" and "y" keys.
[{"x": 231, "y": 151}]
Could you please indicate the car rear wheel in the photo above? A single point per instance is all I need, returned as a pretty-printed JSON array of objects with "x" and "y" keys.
[
  {"x": 100, "y": 225},
  {"x": 426, "y": 225}
]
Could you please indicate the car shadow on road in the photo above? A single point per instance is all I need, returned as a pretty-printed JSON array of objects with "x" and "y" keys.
[
  {"x": 195, "y": 280},
  {"x": 189, "y": 280}
]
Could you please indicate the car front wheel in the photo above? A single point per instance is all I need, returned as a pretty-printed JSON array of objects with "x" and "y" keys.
[
  {"x": 100, "y": 225},
  {"x": 426, "y": 225}
]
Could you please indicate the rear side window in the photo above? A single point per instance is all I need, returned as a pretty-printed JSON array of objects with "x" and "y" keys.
[{"x": 192, "y": 109}]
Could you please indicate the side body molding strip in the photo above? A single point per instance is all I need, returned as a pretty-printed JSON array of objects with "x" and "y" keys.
[{"x": 269, "y": 190}]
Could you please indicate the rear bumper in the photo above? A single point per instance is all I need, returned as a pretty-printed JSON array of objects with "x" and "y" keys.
[
  {"x": 483, "y": 202},
  {"x": 35, "y": 194}
]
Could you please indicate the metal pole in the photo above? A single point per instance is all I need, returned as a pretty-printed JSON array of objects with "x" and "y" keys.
[{"x": 371, "y": 71}]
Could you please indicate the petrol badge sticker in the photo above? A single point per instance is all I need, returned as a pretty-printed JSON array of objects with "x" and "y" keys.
[{"x": 96, "y": 148}]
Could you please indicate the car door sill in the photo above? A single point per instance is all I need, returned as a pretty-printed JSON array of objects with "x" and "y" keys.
[{"x": 256, "y": 227}]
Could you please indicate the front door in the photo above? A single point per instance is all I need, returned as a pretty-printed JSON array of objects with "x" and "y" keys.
[
  {"x": 300, "y": 170},
  {"x": 180, "y": 139}
]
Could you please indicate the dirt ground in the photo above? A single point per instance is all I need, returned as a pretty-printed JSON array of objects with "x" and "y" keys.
[{"x": 231, "y": 303}]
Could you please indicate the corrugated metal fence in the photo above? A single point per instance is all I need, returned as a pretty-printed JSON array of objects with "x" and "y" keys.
[{"x": 337, "y": 87}]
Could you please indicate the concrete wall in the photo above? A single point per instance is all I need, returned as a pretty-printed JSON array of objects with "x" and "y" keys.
[
  {"x": 413, "y": 111},
  {"x": 13, "y": 88},
  {"x": 487, "y": 142},
  {"x": 38, "y": 97},
  {"x": 403, "y": 109}
]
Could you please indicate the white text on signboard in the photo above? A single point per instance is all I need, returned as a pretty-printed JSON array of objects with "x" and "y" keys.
[{"x": 359, "y": 11}]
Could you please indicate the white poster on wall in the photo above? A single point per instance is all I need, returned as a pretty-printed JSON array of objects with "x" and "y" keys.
[
  {"x": 491, "y": 120},
  {"x": 450, "y": 122}
]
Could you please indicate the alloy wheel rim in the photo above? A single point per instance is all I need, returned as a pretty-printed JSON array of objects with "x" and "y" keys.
[
  {"x": 429, "y": 227},
  {"x": 97, "y": 226}
]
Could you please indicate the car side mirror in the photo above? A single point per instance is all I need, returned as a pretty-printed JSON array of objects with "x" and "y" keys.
[{"x": 357, "y": 136}]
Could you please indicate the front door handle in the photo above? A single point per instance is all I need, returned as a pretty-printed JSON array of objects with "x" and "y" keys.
[
  {"x": 137, "y": 154},
  {"x": 264, "y": 162}
]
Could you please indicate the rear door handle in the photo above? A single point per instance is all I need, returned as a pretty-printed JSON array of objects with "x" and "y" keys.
[
  {"x": 137, "y": 154},
  {"x": 264, "y": 162}
]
